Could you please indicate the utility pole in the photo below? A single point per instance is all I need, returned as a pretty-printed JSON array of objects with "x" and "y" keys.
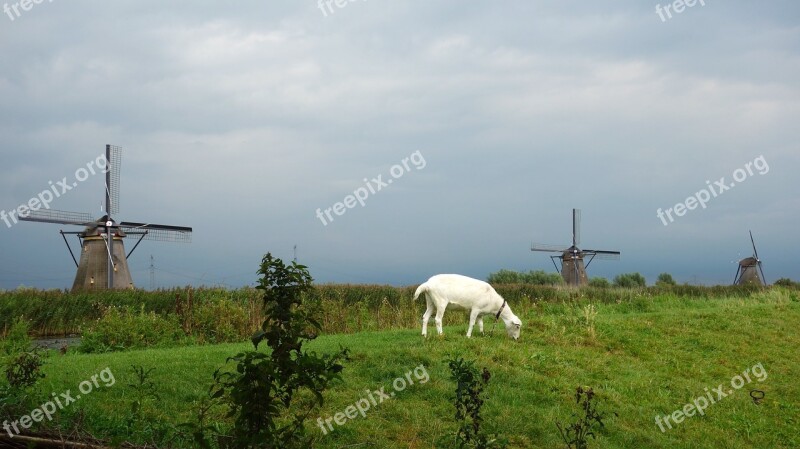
[{"x": 152, "y": 274}]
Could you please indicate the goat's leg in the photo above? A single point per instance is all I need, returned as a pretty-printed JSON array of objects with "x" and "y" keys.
[
  {"x": 426, "y": 317},
  {"x": 439, "y": 315},
  {"x": 473, "y": 315}
]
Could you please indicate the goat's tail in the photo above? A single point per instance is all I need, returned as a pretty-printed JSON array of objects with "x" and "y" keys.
[{"x": 420, "y": 290}]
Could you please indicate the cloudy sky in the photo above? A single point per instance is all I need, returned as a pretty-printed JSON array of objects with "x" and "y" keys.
[{"x": 242, "y": 119}]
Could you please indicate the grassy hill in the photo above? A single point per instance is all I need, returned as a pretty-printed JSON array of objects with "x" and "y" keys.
[{"x": 644, "y": 356}]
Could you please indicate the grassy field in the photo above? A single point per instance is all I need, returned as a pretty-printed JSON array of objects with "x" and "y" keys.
[
  {"x": 644, "y": 356},
  {"x": 346, "y": 308}
]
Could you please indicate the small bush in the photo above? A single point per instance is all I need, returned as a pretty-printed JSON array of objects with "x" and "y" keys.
[
  {"x": 665, "y": 280},
  {"x": 630, "y": 280},
  {"x": 271, "y": 394},
  {"x": 599, "y": 282},
  {"x": 221, "y": 321},
  {"x": 468, "y": 401},
  {"x": 23, "y": 370},
  {"x": 538, "y": 277},
  {"x": 17, "y": 340},
  {"x": 576, "y": 435},
  {"x": 121, "y": 329},
  {"x": 786, "y": 282}
]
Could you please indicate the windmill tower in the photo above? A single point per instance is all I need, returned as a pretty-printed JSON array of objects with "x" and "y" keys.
[
  {"x": 103, "y": 263},
  {"x": 749, "y": 268},
  {"x": 573, "y": 268}
]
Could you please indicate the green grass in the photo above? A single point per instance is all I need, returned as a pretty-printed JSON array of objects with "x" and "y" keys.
[
  {"x": 643, "y": 355},
  {"x": 346, "y": 308}
]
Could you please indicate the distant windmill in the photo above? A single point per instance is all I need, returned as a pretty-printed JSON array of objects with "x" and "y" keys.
[
  {"x": 749, "y": 267},
  {"x": 573, "y": 269},
  {"x": 103, "y": 262}
]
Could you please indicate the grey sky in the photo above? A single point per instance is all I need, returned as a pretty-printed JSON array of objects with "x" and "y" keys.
[{"x": 242, "y": 119}]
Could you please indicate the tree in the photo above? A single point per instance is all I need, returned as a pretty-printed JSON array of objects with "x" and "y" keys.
[
  {"x": 630, "y": 280},
  {"x": 665, "y": 280}
]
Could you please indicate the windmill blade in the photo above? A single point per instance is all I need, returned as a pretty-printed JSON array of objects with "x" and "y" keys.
[
  {"x": 113, "y": 165},
  {"x": 548, "y": 248},
  {"x": 755, "y": 252},
  {"x": 159, "y": 233},
  {"x": 576, "y": 227},
  {"x": 59, "y": 217},
  {"x": 603, "y": 255}
]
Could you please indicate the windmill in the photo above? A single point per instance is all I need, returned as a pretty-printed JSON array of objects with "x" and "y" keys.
[
  {"x": 573, "y": 269},
  {"x": 749, "y": 267},
  {"x": 103, "y": 263}
]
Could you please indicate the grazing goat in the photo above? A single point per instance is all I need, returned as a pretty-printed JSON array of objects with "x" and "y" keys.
[{"x": 453, "y": 291}]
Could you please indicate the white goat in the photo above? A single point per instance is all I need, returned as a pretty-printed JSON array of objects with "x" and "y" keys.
[{"x": 453, "y": 291}]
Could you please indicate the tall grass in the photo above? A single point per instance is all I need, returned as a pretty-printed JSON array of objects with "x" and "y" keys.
[{"x": 346, "y": 308}]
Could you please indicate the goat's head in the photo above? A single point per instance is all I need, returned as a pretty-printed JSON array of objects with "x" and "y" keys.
[{"x": 513, "y": 327}]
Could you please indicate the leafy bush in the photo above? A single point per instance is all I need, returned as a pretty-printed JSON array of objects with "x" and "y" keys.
[
  {"x": 630, "y": 280},
  {"x": 261, "y": 392},
  {"x": 539, "y": 277},
  {"x": 665, "y": 280},
  {"x": 575, "y": 435},
  {"x": 22, "y": 369},
  {"x": 122, "y": 328},
  {"x": 221, "y": 321},
  {"x": 468, "y": 401},
  {"x": 599, "y": 282},
  {"x": 504, "y": 277},
  {"x": 786, "y": 282},
  {"x": 17, "y": 340}
]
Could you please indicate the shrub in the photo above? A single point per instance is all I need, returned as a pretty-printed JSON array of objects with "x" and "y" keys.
[
  {"x": 261, "y": 392},
  {"x": 22, "y": 369},
  {"x": 221, "y": 321},
  {"x": 786, "y": 282},
  {"x": 538, "y": 277},
  {"x": 17, "y": 340},
  {"x": 630, "y": 280},
  {"x": 599, "y": 282},
  {"x": 122, "y": 328},
  {"x": 504, "y": 277},
  {"x": 665, "y": 280},
  {"x": 576, "y": 435},
  {"x": 468, "y": 401}
]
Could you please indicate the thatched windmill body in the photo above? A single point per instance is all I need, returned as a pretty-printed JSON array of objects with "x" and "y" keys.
[
  {"x": 573, "y": 259},
  {"x": 749, "y": 268},
  {"x": 103, "y": 263}
]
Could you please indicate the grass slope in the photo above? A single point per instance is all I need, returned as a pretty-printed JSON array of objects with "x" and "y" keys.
[{"x": 643, "y": 357}]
